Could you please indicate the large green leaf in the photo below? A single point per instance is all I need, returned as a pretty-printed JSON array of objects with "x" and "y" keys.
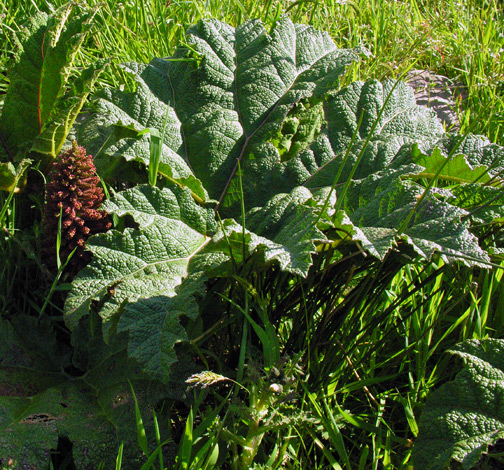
[
  {"x": 41, "y": 404},
  {"x": 252, "y": 115},
  {"x": 28, "y": 429},
  {"x": 381, "y": 204},
  {"x": 226, "y": 98},
  {"x": 464, "y": 417},
  {"x": 151, "y": 300},
  {"x": 144, "y": 262},
  {"x": 397, "y": 147},
  {"x": 155, "y": 329},
  {"x": 138, "y": 271},
  {"x": 118, "y": 130},
  {"x": 390, "y": 121},
  {"x": 246, "y": 84}
]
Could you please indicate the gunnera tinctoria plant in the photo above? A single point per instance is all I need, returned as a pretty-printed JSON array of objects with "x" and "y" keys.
[{"x": 73, "y": 192}]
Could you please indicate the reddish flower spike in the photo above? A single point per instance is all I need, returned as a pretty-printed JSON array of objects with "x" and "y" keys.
[{"x": 73, "y": 190}]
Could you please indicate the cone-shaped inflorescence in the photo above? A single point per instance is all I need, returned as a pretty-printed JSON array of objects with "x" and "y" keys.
[{"x": 73, "y": 191}]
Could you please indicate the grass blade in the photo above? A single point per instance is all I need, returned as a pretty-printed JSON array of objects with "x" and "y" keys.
[
  {"x": 184, "y": 455},
  {"x": 119, "y": 456},
  {"x": 141, "y": 436}
]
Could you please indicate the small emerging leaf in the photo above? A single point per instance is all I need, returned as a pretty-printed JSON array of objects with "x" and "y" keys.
[
  {"x": 34, "y": 112},
  {"x": 455, "y": 169}
]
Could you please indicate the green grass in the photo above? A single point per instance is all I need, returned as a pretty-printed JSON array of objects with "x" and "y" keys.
[
  {"x": 462, "y": 40},
  {"x": 374, "y": 344}
]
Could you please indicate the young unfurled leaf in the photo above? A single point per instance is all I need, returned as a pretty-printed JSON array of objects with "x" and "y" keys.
[
  {"x": 38, "y": 113},
  {"x": 449, "y": 168}
]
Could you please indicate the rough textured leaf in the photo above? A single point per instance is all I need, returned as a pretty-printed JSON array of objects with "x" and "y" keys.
[
  {"x": 154, "y": 322},
  {"x": 379, "y": 200},
  {"x": 228, "y": 99},
  {"x": 465, "y": 416},
  {"x": 154, "y": 327},
  {"x": 149, "y": 205},
  {"x": 404, "y": 143},
  {"x": 247, "y": 83},
  {"x": 120, "y": 124},
  {"x": 390, "y": 134},
  {"x": 40, "y": 404},
  {"x": 484, "y": 203},
  {"x": 379, "y": 205},
  {"x": 389, "y": 113},
  {"x": 140, "y": 262},
  {"x": 289, "y": 220}
]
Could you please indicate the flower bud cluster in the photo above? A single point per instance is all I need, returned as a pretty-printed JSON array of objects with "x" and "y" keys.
[{"x": 73, "y": 192}]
